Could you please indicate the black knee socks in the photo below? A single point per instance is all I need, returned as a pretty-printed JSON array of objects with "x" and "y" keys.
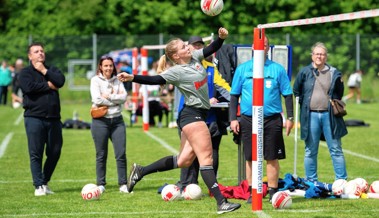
[
  {"x": 164, "y": 164},
  {"x": 209, "y": 178}
]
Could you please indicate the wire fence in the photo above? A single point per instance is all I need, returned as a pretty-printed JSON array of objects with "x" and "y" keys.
[{"x": 346, "y": 52}]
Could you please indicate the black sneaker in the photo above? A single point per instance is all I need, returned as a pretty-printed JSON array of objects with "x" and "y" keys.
[
  {"x": 271, "y": 192},
  {"x": 134, "y": 177},
  {"x": 227, "y": 207}
]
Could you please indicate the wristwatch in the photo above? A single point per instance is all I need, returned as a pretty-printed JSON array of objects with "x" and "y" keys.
[{"x": 290, "y": 119}]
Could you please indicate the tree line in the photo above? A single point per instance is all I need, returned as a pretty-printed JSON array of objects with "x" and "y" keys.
[{"x": 56, "y": 21}]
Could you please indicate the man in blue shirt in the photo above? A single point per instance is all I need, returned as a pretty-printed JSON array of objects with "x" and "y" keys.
[{"x": 276, "y": 84}]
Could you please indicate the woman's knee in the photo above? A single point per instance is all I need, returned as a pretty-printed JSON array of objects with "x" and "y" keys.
[
  {"x": 205, "y": 160},
  {"x": 184, "y": 163}
]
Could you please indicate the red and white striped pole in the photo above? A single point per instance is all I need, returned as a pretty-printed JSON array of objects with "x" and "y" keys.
[
  {"x": 257, "y": 122},
  {"x": 145, "y": 106},
  {"x": 134, "y": 85}
]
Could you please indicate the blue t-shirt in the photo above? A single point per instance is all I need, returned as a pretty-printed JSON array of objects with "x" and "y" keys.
[{"x": 276, "y": 84}]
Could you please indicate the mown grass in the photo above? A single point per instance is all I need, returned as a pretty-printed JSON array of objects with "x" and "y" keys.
[{"x": 77, "y": 168}]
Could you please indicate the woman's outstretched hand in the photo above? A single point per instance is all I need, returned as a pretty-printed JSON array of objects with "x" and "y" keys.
[{"x": 125, "y": 77}]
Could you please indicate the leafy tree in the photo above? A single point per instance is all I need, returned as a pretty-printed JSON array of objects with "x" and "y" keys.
[{"x": 66, "y": 26}]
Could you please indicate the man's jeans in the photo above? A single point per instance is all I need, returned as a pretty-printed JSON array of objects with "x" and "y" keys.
[
  {"x": 320, "y": 123},
  {"x": 42, "y": 131}
]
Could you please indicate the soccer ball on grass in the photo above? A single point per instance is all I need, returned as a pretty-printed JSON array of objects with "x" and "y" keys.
[
  {"x": 171, "y": 192},
  {"x": 192, "y": 192},
  {"x": 91, "y": 192}
]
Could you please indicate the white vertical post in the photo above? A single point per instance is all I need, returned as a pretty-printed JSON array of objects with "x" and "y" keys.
[{"x": 145, "y": 108}]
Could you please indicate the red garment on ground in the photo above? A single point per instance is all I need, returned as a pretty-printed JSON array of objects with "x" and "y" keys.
[{"x": 239, "y": 192}]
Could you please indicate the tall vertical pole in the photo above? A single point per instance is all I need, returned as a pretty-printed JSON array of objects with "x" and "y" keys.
[
  {"x": 145, "y": 108},
  {"x": 94, "y": 52},
  {"x": 358, "y": 52},
  {"x": 134, "y": 85},
  {"x": 257, "y": 122}
]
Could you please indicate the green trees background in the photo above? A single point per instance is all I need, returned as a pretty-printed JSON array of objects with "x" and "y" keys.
[
  {"x": 135, "y": 17},
  {"x": 67, "y": 26}
]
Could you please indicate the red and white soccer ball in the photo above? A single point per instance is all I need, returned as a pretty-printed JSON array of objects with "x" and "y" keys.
[
  {"x": 362, "y": 184},
  {"x": 281, "y": 200},
  {"x": 337, "y": 186},
  {"x": 374, "y": 187},
  {"x": 91, "y": 192},
  {"x": 352, "y": 188},
  {"x": 212, "y": 7},
  {"x": 171, "y": 192},
  {"x": 192, "y": 192}
]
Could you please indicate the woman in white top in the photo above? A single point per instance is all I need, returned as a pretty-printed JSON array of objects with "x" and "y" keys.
[
  {"x": 354, "y": 84},
  {"x": 107, "y": 90}
]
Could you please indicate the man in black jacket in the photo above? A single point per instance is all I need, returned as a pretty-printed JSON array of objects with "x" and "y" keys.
[{"x": 40, "y": 84}]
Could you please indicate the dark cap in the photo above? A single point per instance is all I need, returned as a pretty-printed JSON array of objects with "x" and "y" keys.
[{"x": 194, "y": 39}]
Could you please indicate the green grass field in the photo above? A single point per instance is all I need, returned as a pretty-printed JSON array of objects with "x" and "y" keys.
[{"x": 77, "y": 168}]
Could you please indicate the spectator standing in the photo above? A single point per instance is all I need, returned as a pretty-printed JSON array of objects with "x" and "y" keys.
[
  {"x": 315, "y": 84},
  {"x": 125, "y": 67},
  {"x": 107, "y": 90},
  {"x": 155, "y": 107},
  {"x": 276, "y": 85},
  {"x": 5, "y": 81},
  {"x": 225, "y": 62},
  {"x": 354, "y": 84},
  {"x": 40, "y": 84},
  {"x": 16, "y": 89}
]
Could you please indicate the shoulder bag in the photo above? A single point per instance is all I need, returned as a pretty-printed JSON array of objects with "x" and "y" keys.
[
  {"x": 338, "y": 106},
  {"x": 99, "y": 111}
]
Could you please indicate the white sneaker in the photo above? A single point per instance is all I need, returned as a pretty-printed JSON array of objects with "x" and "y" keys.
[
  {"x": 102, "y": 188},
  {"x": 47, "y": 190},
  {"x": 124, "y": 189},
  {"x": 39, "y": 191}
]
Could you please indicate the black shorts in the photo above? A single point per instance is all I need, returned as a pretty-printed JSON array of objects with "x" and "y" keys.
[
  {"x": 273, "y": 142},
  {"x": 190, "y": 114}
]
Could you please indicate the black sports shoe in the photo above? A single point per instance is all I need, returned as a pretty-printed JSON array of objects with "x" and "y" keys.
[
  {"x": 227, "y": 207},
  {"x": 134, "y": 177},
  {"x": 271, "y": 192}
]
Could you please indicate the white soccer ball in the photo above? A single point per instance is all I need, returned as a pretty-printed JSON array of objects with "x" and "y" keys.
[
  {"x": 212, "y": 7},
  {"x": 91, "y": 192},
  {"x": 192, "y": 192},
  {"x": 337, "y": 186},
  {"x": 170, "y": 193},
  {"x": 374, "y": 187},
  {"x": 351, "y": 188},
  {"x": 281, "y": 200},
  {"x": 362, "y": 184}
]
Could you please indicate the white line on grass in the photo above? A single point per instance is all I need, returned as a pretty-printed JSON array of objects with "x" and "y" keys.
[
  {"x": 110, "y": 179},
  {"x": 354, "y": 154},
  {"x": 163, "y": 143},
  {"x": 351, "y": 153},
  {"x": 260, "y": 214},
  {"x": 110, "y": 213},
  {"x": 18, "y": 120},
  {"x": 5, "y": 143}
]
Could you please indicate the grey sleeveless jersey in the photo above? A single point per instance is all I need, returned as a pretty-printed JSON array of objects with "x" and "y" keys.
[{"x": 192, "y": 81}]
